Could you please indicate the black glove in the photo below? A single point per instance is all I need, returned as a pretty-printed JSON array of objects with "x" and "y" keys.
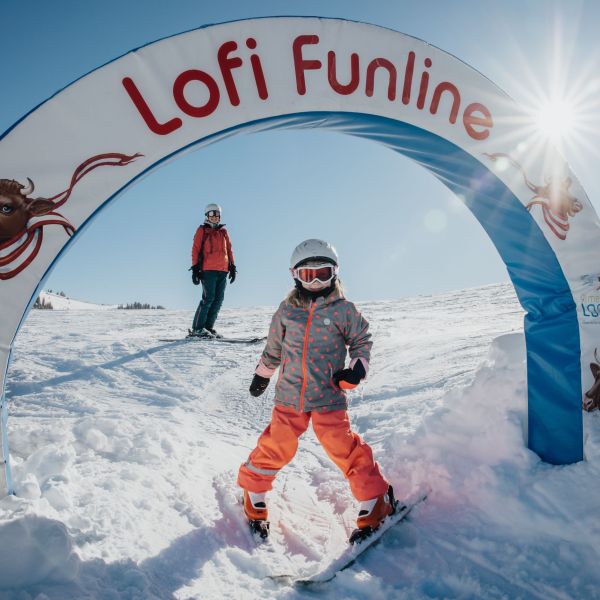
[
  {"x": 232, "y": 273},
  {"x": 348, "y": 379},
  {"x": 196, "y": 274},
  {"x": 259, "y": 385}
]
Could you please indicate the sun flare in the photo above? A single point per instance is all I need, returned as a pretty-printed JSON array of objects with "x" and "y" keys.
[{"x": 556, "y": 120}]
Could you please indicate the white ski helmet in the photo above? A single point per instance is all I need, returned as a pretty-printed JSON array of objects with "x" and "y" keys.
[
  {"x": 210, "y": 207},
  {"x": 313, "y": 250}
]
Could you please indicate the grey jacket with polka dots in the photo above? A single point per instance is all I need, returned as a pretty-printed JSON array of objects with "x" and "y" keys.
[{"x": 309, "y": 345}]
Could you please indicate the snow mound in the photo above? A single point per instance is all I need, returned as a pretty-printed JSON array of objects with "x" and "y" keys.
[
  {"x": 522, "y": 528},
  {"x": 480, "y": 427},
  {"x": 64, "y": 303},
  {"x": 35, "y": 549}
]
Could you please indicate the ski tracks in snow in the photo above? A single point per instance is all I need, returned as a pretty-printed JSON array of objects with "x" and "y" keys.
[{"x": 134, "y": 445}]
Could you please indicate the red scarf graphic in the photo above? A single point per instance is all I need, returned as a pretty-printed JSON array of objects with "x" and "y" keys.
[{"x": 19, "y": 252}]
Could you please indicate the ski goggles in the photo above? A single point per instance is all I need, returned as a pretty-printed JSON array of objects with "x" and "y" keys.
[
  {"x": 309, "y": 274},
  {"x": 213, "y": 213}
]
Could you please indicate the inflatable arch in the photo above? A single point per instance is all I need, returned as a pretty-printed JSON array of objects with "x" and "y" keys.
[{"x": 86, "y": 144}]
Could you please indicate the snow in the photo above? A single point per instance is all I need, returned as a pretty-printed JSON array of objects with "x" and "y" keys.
[
  {"x": 125, "y": 450},
  {"x": 60, "y": 302}
]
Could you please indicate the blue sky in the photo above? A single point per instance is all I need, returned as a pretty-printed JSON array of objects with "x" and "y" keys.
[{"x": 398, "y": 230}]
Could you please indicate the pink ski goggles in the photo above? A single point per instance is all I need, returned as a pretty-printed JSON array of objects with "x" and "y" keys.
[{"x": 309, "y": 274}]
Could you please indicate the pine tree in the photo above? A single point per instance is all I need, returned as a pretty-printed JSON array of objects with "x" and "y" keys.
[
  {"x": 40, "y": 303},
  {"x": 139, "y": 306}
]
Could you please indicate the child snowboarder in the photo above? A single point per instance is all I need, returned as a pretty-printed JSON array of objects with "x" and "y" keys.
[
  {"x": 307, "y": 340},
  {"x": 212, "y": 260}
]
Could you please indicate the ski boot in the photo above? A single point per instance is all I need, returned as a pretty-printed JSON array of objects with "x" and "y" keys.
[
  {"x": 200, "y": 333},
  {"x": 255, "y": 509},
  {"x": 372, "y": 514}
]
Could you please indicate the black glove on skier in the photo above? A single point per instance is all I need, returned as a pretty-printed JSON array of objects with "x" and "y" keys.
[
  {"x": 196, "y": 274},
  {"x": 348, "y": 379},
  {"x": 259, "y": 385},
  {"x": 232, "y": 273}
]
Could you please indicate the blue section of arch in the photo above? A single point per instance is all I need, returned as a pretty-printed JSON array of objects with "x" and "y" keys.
[{"x": 555, "y": 427}]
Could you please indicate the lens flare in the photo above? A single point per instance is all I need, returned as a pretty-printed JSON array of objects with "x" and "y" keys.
[{"x": 556, "y": 120}]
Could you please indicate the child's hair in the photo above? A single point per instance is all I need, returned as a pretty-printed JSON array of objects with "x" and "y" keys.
[{"x": 295, "y": 298}]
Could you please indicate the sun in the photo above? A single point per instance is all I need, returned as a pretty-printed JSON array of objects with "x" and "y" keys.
[{"x": 555, "y": 120}]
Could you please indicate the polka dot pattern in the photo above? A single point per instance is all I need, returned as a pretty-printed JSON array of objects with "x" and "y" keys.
[{"x": 313, "y": 355}]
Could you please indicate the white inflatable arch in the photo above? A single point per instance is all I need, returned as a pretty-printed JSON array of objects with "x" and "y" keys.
[{"x": 82, "y": 147}]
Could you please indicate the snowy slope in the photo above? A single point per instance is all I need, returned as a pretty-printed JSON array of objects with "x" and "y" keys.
[
  {"x": 64, "y": 303},
  {"x": 125, "y": 449}
]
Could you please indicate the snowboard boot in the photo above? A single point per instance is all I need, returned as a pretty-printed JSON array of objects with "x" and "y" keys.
[
  {"x": 373, "y": 512},
  {"x": 255, "y": 507},
  {"x": 214, "y": 332}
]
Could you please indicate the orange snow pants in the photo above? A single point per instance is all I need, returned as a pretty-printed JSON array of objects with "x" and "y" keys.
[{"x": 278, "y": 443}]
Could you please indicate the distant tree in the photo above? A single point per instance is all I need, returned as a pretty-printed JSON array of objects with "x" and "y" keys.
[
  {"x": 41, "y": 304},
  {"x": 139, "y": 306}
]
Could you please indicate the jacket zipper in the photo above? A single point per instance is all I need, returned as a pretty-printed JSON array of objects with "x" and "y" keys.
[{"x": 311, "y": 310}]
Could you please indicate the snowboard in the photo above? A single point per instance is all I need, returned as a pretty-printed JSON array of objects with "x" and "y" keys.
[
  {"x": 347, "y": 557},
  {"x": 224, "y": 340}
]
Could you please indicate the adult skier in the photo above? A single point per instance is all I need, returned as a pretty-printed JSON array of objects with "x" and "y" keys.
[
  {"x": 307, "y": 341},
  {"x": 212, "y": 261}
]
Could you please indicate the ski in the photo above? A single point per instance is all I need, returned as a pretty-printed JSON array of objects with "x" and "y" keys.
[
  {"x": 358, "y": 543},
  {"x": 224, "y": 340}
]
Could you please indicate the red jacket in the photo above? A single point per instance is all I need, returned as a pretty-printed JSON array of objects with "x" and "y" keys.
[{"x": 215, "y": 247}]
